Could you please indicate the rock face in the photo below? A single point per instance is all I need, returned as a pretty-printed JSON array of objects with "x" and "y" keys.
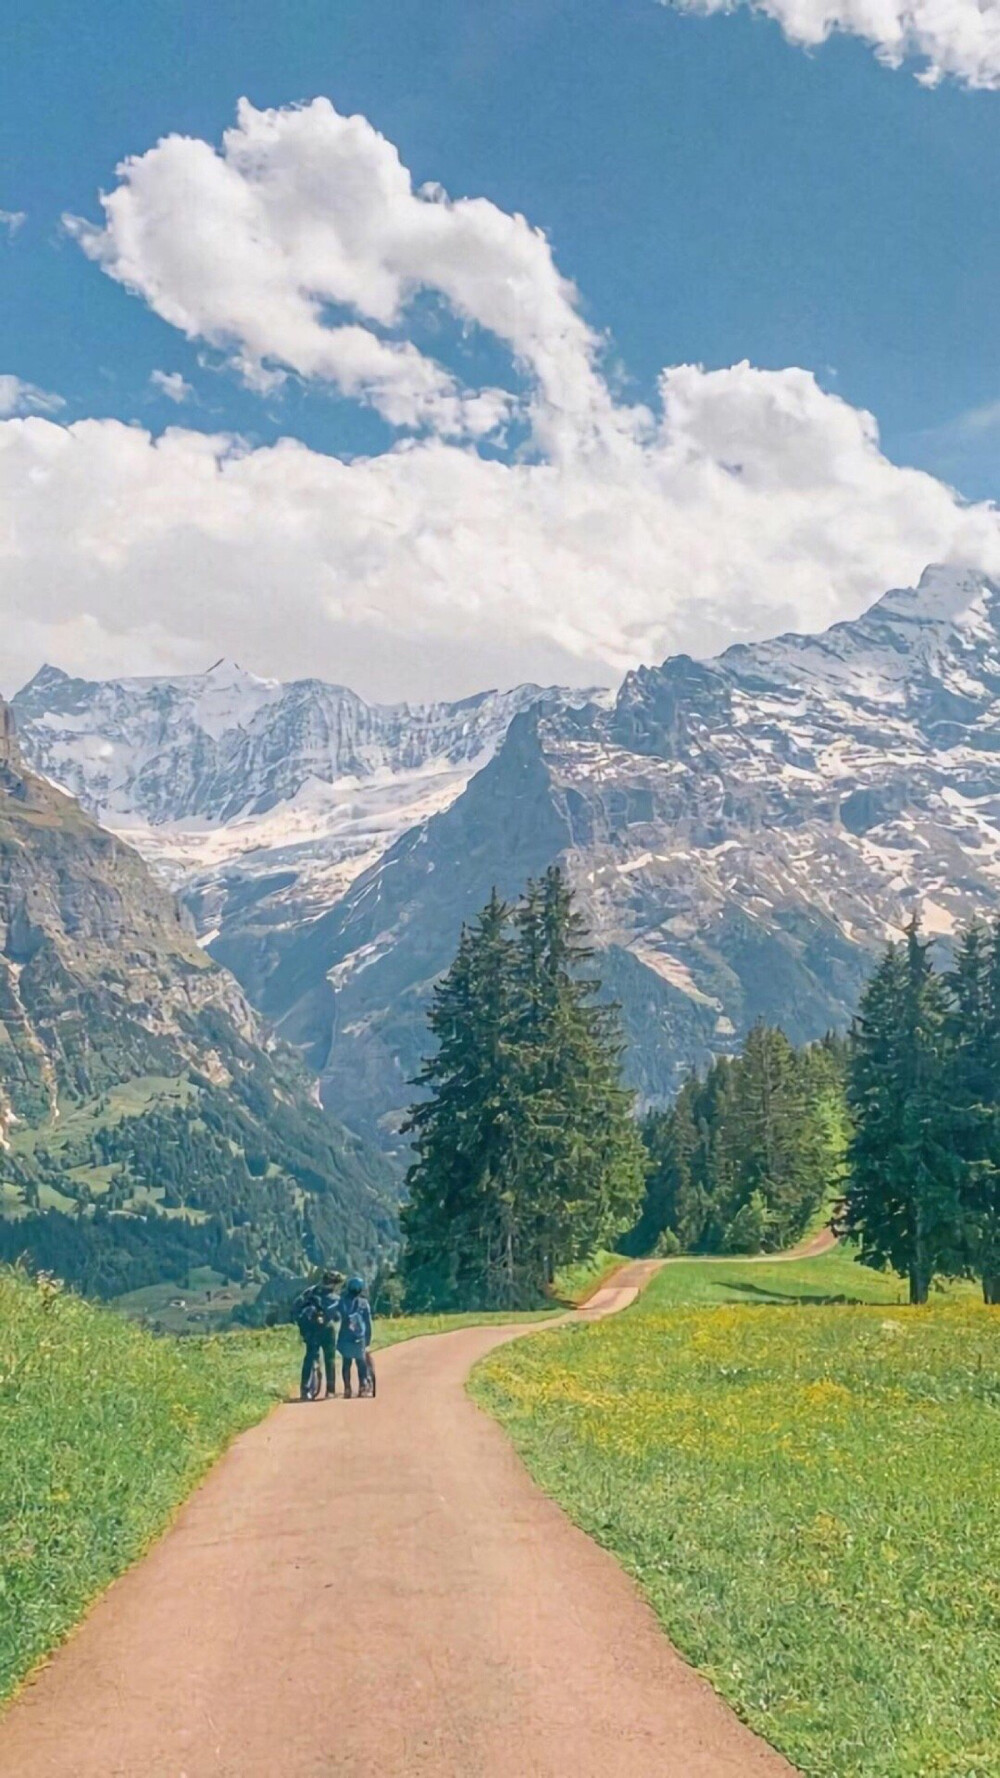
[
  {"x": 9, "y": 751},
  {"x": 262, "y": 801},
  {"x": 744, "y": 834},
  {"x": 119, "y": 1038}
]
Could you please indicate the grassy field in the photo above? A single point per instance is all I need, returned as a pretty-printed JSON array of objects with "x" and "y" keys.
[
  {"x": 198, "y": 1306},
  {"x": 801, "y": 1474},
  {"x": 104, "y": 1430},
  {"x": 832, "y": 1278}
]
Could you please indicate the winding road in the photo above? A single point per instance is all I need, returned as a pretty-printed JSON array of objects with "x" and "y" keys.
[{"x": 378, "y": 1588}]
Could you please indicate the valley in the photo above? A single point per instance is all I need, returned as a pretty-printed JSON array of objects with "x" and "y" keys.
[
  {"x": 148, "y": 1123},
  {"x": 743, "y": 833}
]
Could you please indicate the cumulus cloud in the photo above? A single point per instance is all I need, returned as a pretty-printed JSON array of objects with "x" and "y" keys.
[
  {"x": 760, "y": 503},
  {"x": 171, "y": 384},
  {"x": 740, "y": 503},
  {"x": 957, "y": 38},
  {"x": 19, "y": 397},
  {"x": 301, "y": 245},
  {"x": 12, "y": 221}
]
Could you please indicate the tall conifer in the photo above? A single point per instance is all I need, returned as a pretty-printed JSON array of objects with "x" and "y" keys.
[
  {"x": 973, "y": 1099},
  {"x": 526, "y": 1153},
  {"x": 902, "y": 1201}
]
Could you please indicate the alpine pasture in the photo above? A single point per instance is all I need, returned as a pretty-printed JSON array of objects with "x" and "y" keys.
[{"x": 800, "y": 1472}]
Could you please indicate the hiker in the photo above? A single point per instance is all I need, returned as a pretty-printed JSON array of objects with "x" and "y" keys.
[
  {"x": 355, "y": 1335},
  {"x": 316, "y": 1312}
]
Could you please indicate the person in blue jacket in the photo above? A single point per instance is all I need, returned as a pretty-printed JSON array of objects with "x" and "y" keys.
[
  {"x": 316, "y": 1312},
  {"x": 355, "y": 1334}
]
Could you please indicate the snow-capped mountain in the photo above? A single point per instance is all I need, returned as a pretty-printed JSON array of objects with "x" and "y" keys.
[
  {"x": 260, "y": 800},
  {"x": 744, "y": 834}
]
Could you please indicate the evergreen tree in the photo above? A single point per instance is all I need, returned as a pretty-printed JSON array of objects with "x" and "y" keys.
[
  {"x": 527, "y": 1156},
  {"x": 973, "y": 1098},
  {"x": 458, "y": 1226},
  {"x": 769, "y": 1124},
  {"x": 580, "y": 1159},
  {"x": 902, "y": 1202},
  {"x": 673, "y": 1201},
  {"x": 776, "y": 1148}
]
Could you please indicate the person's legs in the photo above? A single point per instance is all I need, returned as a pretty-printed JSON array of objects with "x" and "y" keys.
[
  {"x": 329, "y": 1360},
  {"x": 307, "y": 1364},
  {"x": 362, "y": 1363},
  {"x": 346, "y": 1365}
]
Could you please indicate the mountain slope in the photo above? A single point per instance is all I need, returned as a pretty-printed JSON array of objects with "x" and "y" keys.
[
  {"x": 261, "y": 800},
  {"x": 144, "y": 1124},
  {"x": 744, "y": 834}
]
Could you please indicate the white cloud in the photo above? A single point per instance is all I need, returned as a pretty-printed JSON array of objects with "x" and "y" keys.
[
  {"x": 951, "y": 38},
  {"x": 171, "y": 384},
  {"x": 748, "y": 502},
  {"x": 12, "y": 220},
  {"x": 303, "y": 210},
  {"x": 19, "y": 397},
  {"x": 760, "y": 503}
]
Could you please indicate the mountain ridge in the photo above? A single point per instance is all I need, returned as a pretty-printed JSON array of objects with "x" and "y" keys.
[
  {"x": 260, "y": 801},
  {"x": 743, "y": 834},
  {"x": 147, "y": 1120}
]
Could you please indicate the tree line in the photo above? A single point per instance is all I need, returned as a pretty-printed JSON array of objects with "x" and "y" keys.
[
  {"x": 748, "y": 1152},
  {"x": 528, "y": 1154}
]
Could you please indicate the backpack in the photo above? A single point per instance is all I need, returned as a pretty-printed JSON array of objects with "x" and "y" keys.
[
  {"x": 307, "y": 1313},
  {"x": 355, "y": 1322}
]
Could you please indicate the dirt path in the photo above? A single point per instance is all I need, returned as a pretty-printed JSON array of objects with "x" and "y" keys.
[
  {"x": 823, "y": 1241},
  {"x": 377, "y": 1588}
]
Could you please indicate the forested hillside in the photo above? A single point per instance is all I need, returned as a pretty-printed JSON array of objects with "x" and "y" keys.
[
  {"x": 748, "y": 1152},
  {"x": 146, "y": 1123}
]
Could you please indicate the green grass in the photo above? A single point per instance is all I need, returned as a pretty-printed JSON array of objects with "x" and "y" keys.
[
  {"x": 833, "y": 1277},
  {"x": 208, "y": 1299},
  {"x": 130, "y": 1099},
  {"x": 574, "y": 1284},
  {"x": 104, "y": 1430},
  {"x": 806, "y": 1492}
]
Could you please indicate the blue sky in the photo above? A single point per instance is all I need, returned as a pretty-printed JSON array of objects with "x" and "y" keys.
[{"x": 715, "y": 193}]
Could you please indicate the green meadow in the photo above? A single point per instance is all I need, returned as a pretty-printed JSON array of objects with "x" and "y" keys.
[{"x": 800, "y": 1473}]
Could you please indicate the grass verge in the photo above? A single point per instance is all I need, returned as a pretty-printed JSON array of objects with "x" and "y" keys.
[
  {"x": 575, "y": 1285},
  {"x": 805, "y": 1490},
  {"x": 104, "y": 1431}
]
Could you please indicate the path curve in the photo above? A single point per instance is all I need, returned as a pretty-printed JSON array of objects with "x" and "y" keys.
[
  {"x": 812, "y": 1247},
  {"x": 378, "y": 1588}
]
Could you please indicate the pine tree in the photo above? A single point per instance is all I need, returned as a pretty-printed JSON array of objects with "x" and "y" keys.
[
  {"x": 973, "y": 1098},
  {"x": 458, "y": 1224},
  {"x": 672, "y": 1200},
  {"x": 581, "y": 1162},
  {"x": 776, "y": 1147},
  {"x": 527, "y": 1155},
  {"x": 902, "y": 1200},
  {"x": 770, "y": 1122}
]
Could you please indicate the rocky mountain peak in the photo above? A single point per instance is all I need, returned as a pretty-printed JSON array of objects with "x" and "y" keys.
[
  {"x": 744, "y": 834},
  {"x": 944, "y": 594}
]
